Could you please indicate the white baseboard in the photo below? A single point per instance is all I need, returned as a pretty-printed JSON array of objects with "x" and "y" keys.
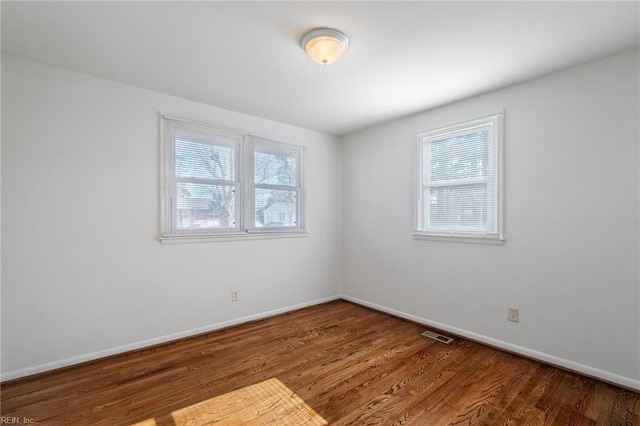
[
  {"x": 520, "y": 350},
  {"x": 16, "y": 374},
  {"x": 529, "y": 353}
]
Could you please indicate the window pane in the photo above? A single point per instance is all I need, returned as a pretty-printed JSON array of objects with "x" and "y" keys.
[
  {"x": 457, "y": 208},
  {"x": 275, "y": 208},
  {"x": 457, "y": 157},
  {"x": 275, "y": 169},
  {"x": 205, "y": 206},
  {"x": 198, "y": 160},
  {"x": 460, "y": 179}
]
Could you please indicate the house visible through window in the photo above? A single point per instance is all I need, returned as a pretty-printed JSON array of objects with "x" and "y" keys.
[
  {"x": 217, "y": 181},
  {"x": 459, "y": 182},
  {"x": 276, "y": 189}
]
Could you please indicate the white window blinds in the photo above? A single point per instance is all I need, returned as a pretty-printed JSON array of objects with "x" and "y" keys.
[
  {"x": 201, "y": 178},
  {"x": 460, "y": 178}
]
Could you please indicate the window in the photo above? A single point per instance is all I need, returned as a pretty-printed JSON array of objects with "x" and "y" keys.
[
  {"x": 459, "y": 182},
  {"x": 276, "y": 185},
  {"x": 220, "y": 182}
]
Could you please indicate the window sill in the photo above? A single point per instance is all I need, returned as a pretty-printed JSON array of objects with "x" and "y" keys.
[
  {"x": 465, "y": 239},
  {"x": 236, "y": 236}
]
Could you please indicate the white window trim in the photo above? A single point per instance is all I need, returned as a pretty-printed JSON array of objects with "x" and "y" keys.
[
  {"x": 275, "y": 145},
  {"x": 239, "y": 236},
  {"x": 245, "y": 225},
  {"x": 457, "y": 236}
]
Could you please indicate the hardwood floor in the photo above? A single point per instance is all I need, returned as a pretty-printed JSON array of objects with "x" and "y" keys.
[{"x": 339, "y": 364}]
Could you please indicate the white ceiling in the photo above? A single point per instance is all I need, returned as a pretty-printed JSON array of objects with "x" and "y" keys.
[{"x": 246, "y": 57}]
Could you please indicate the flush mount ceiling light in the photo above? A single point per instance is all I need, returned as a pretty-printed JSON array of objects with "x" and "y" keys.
[{"x": 325, "y": 45}]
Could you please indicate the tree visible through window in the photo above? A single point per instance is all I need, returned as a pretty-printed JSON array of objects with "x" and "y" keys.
[
  {"x": 276, "y": 192},
  {"x": 203, "y": 201},
  {"x": 221, "y": 181}
]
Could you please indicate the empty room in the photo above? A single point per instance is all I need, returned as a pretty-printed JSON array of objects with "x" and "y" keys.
[{"x": 320, "y": 213}]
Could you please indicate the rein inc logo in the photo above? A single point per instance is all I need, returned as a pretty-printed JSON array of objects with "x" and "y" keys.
[{"x": 6, "y": 420}]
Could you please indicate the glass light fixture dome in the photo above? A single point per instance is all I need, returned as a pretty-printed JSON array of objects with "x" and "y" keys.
[{"x": 325, "y": 45}]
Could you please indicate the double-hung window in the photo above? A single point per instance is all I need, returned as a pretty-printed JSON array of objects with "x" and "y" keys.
[
  {"x": 277, "y": 190},
  {"x": 459, "y": 182},
  {"x": 219, "y": 182}
]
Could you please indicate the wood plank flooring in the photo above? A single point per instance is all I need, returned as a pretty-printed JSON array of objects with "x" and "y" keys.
[{"x": 341, "y": 363}]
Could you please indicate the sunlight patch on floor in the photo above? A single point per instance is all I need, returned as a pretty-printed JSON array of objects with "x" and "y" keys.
[
  {"x": 148, "y": 422},
  {"x": 265, "y": 403}
]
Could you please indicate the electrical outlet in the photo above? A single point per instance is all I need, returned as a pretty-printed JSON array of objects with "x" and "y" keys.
[
  {"x": 235, "y": 295},
  {"x": 514, "y": 314}
]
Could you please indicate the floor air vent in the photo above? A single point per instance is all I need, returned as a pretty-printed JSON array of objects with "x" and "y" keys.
[{"x": 438, "y": 337}]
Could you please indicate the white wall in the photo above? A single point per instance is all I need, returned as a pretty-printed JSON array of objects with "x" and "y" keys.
[
  {"x": 571, "y": 257},
  {"x": 83, "y": 273}
]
